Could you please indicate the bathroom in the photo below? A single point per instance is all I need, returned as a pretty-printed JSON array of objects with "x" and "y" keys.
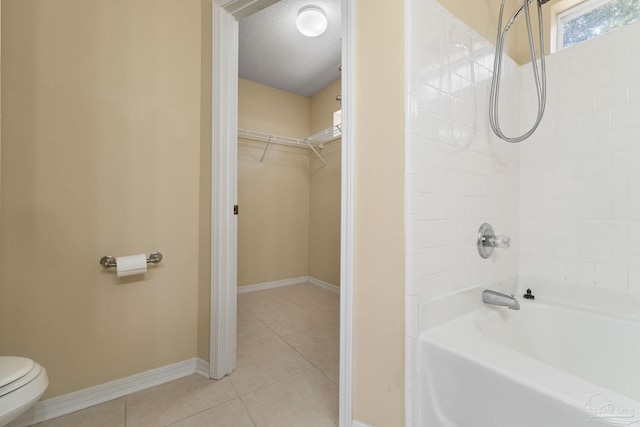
[{"x": 102, "y": 162}]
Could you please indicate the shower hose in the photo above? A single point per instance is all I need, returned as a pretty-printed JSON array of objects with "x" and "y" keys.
[{"x": 539, "y": 75}]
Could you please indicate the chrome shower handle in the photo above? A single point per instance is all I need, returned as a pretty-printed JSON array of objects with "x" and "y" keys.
[
  {"x": 487, "y": 240},
  {"x": 497, "y": 241}
]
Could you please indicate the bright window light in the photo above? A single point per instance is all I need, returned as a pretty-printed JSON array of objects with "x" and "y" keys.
[{"x": 592, "y": 18}]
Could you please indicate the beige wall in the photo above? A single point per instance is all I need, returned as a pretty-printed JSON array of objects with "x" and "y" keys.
[
  {"x": 324, "y": 215},
  {"x": 265, "y": 109},
  {"x": 273, "y": 224},
  {"x": 323, "y": 105},
  {"x": 324, "y": 192},
  {"x": 482, "y": 16},
  {"x": 204, "y": 232},
  {"x": 273, "y": 196},
  {"x": 101, "y": 146},
  {"x": 379, "y": 214}
]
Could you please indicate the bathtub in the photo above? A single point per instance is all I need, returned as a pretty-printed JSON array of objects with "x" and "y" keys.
[{"x": 571, "y": 357}]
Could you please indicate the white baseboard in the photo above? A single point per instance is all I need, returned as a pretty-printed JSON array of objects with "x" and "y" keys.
[
  {"x": 82, "y": 399},
  {"x": 202, "y": 368},
  {"x": 271, "y": 285},
  {"x": 288, "y": 282},
  {"x": 325, "y": 285},
  {"x": 357, "y": 423}
]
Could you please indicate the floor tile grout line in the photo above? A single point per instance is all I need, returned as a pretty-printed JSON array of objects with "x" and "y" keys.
[
  {"x": 311, "y": 368},
  {"x": 278, "y": 380},
  {"x": 255, "y": 423},
  {"x": 327, "y": 376},
  {"x": 283, "y": 338},
  {"x": 275, "y": 332},
  {"x": 203, "y": 410},
  {"x": 301, "y": 355}
]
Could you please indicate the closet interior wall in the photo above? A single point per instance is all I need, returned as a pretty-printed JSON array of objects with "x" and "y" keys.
[{"x": 289, "y": 218}]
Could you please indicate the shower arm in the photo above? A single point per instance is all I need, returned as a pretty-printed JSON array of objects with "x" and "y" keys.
[{"x": 513, "y": 18}]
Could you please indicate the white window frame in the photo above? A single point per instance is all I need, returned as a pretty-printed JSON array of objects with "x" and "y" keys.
[{"x": 571, "y": 12}]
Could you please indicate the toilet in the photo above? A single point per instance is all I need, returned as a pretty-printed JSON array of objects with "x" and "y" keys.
[{"x": 22, "y": 382}]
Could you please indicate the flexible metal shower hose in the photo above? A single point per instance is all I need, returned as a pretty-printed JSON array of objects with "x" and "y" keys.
[{"x": 540, "y": 76}]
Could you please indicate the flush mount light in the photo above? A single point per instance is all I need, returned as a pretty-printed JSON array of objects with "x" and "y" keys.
[{"x": 311, "y": 21}]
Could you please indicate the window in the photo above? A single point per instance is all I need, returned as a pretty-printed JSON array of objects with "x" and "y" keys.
[{"x": 592, "y": 18}]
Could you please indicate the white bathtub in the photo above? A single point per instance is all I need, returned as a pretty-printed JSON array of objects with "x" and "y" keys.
[{"x": 571, "y": 357}]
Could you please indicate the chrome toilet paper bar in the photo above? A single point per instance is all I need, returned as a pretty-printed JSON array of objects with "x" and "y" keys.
[{"x": 110, "y": 261}]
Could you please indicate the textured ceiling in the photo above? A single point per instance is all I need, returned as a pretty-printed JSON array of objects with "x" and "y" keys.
[{"x": 274, "y": 53}]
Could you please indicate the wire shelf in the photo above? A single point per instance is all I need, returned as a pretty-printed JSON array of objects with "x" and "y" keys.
[{"x": 313, "y": 143}]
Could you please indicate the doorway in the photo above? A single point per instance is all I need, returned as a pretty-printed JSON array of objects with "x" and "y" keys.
[{"x": 224, "y": 196}]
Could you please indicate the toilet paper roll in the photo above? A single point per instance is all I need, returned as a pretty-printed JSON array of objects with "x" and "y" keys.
[{"x": 131, "y": 265}]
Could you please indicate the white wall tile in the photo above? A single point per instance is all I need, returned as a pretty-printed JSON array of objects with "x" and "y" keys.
[
  {"x": 596, "y": 208},
  {"x": 611, "y": 275},
  {"x": 594, "y": 121},
  {"x": 634, "y": 91},
  {"x": 634, "y": 231},
  {"x": 566, "y": 127},
  {"x": 610, "y": 140},
  {"x": 625, "y": 253},
  {"x": 634, "y": 137},
  {"x": 612, "y": 231},
  {"x": 633, "y": 280},
  {"x": 611, "y": 95},
  {"x": 595, "y": 252},
  {"x": 580, "y": 145},
  {"x": 411, "y": 271},
  {"x": 583, "y": 273},
  {"x": 595, "y": 164}
]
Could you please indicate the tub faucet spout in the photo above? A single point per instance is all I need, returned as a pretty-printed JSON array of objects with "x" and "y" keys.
[{"x": 497, "y": 298}]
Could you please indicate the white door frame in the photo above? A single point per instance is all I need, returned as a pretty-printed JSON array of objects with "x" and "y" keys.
[{"x": 224, "y": 196}]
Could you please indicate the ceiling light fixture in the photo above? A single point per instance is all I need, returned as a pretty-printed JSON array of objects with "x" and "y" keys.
[{"x": 311, "y": 21}]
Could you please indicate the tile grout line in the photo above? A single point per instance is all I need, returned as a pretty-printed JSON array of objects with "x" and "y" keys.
[
  {"x": 283, "y": 338},
  {"x": 313, "y": 366},
  {"x": 204, "y": 410},
  {"x": 255, "y": 423}
]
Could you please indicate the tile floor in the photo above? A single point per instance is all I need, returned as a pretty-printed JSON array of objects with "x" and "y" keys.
[{"x": 287, "y": 374}]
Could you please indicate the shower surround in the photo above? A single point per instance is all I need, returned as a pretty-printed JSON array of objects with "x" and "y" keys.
[{"x": 569, "y": 197}]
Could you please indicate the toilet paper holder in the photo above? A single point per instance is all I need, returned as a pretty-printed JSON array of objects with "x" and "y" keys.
[{"x": 108, "y": 261}]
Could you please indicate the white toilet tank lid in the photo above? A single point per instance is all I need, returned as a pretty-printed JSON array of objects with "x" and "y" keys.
[{"x": 13, "y": 368}]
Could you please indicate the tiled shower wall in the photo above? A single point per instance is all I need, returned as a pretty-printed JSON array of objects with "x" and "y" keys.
[
  {"x": 580, "y": 171},
  {"x": 458, "y": 175},
  {"x": 569, "y": 196}
]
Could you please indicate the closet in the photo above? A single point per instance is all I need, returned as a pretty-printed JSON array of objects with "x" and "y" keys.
[
  {"x": 288, "y": 186},
  {"x": 289, "y": 195}
]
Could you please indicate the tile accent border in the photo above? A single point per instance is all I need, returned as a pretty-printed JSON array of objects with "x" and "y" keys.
[{"x": 82, "y": 399}]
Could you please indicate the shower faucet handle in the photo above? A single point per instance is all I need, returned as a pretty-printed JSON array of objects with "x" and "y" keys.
[
  {"x": 487, "y": 240},
  {"x": 498, "y": 242}
]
